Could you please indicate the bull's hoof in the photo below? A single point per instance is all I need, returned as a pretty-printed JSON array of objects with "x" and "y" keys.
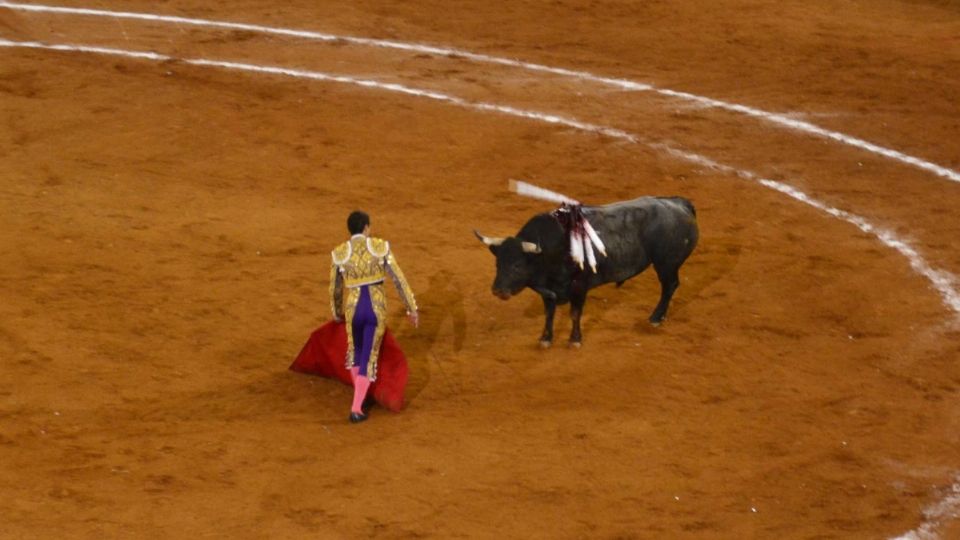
[
  {"x": 656, "y": 322},
  {"x": 545, "y": 344},
  {"x": 575, "y": 345}
]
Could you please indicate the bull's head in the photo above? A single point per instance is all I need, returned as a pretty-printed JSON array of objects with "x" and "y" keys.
[{"x": 514, "y": 263}]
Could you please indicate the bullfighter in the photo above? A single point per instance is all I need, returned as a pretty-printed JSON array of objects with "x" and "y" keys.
[{"x": 361, "y": 265}]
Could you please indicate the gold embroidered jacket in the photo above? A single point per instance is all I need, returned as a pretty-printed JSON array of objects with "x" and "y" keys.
[{"x": 362, "y": 261}]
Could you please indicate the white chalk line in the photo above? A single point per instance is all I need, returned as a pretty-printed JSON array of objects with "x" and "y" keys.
[
  {"x": 781, "y": 120},
  {"x": 944, "y": 282},
  {"x": 945, "y": 510}
]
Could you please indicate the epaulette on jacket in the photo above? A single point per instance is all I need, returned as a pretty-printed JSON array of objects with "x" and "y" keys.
[
  {"x": 341, "y": 254},
  {"x": 378, "y": 247}
]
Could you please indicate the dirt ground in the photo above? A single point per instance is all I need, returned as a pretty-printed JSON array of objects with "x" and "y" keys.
[{"x": 165, "y": 233}]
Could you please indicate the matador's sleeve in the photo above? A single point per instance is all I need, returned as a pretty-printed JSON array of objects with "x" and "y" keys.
[
  {"x": 403, "y": 287},
  {"x": 336, "y": 291},
  {"x": 338, "y": 256}
]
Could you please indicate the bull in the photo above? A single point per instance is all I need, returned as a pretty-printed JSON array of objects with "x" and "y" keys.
[{"x": 661, "y": 231}]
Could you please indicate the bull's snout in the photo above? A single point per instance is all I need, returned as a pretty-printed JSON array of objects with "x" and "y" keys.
[{"x": 501, "y": 294}]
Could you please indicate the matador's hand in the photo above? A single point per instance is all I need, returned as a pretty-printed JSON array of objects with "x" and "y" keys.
[{"x": 414, "y": 319}]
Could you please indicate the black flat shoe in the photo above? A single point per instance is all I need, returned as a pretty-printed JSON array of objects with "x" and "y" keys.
[{"x": 356, "y": 418}]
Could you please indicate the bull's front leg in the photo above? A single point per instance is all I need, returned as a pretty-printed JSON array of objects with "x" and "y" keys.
[
  {"x": 549, "y": 308},
  {"x": 577, "y": 300}
]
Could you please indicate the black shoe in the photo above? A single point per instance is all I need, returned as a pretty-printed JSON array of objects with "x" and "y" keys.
[{"x": 356, "y": 418}]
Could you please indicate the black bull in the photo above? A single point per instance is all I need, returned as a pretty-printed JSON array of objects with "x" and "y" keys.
[{"x": 661, "y": 231}]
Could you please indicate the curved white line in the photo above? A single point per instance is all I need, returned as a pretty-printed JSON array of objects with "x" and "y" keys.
[
  {"x": 934, "y": 516},
  {"x": 773, "y": 118},
  {"x": 942, "y": 281}
]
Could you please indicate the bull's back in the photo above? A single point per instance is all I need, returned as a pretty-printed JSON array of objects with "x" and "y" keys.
[{"x": 643, "y": 231}]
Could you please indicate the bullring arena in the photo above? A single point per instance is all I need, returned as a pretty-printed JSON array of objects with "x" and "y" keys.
[{"x": 174, "y": 175}]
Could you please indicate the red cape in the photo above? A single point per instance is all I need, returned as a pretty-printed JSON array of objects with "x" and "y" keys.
[{"x": 325, "y": 354}]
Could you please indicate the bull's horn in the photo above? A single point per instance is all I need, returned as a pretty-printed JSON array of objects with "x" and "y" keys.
[
  {"x": 489, "y": 241},
  {"x": 530, "y": 247}
]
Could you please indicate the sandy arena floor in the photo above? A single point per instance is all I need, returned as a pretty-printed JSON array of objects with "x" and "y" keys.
[{"x": 165, "y": 229}]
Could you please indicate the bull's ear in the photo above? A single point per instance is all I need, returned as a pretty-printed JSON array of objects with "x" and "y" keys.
[
  {"x": 492, "y": 243},
  {"x": 530, "y": 247}
]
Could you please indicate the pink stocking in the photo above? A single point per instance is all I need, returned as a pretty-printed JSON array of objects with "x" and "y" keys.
[{"x": 360, "y": 385}]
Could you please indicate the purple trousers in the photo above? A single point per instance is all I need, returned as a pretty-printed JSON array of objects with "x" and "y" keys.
[{"x": 364, "y": 328}]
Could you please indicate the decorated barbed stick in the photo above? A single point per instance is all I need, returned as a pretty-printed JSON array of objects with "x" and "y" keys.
[
  {"x": 576, "y": 248},
  {"x": 529, "y": 190},
  {"x": 591, "y": 256},
  {"x": 594, "y": 237}
]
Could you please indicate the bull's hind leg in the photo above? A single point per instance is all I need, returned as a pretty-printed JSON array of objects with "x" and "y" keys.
[{"x": 669, "y": 281}]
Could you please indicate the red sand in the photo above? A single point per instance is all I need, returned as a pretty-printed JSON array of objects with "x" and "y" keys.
[{"x": 165, "y": 231}]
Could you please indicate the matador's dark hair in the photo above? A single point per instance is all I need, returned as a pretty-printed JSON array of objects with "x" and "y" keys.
[{"x": 357, "y": 222}]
